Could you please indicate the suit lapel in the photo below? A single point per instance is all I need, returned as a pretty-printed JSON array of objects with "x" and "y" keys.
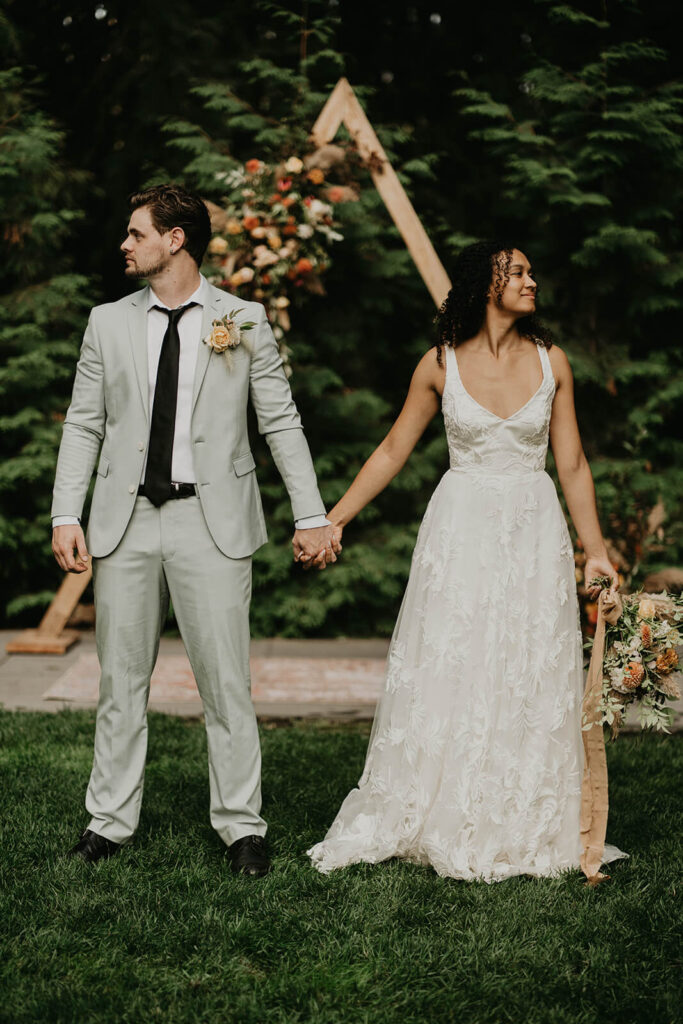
[
  {"x": 137, "y": 332},
  {"x": 211, "y": 311}
]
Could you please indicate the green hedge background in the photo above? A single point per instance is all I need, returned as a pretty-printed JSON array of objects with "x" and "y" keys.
[{"x": 556, "y": 124}]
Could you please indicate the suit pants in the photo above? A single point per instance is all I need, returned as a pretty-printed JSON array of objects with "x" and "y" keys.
[{"x": 169, "y": 552}]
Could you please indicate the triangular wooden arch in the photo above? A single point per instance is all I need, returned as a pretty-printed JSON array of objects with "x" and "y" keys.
[{"x": 342, "y": 107}]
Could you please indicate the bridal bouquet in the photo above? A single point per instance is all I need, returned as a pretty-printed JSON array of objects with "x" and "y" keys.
[{"x": 640, "y": 661}]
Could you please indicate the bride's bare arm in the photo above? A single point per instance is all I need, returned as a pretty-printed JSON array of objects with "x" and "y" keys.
[
  {"x": 390, "y": 456},
  {"x": 575, "y": 473}
]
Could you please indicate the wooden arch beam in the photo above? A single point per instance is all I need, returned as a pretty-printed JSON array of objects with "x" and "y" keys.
[{"x": 343, "y": 107}]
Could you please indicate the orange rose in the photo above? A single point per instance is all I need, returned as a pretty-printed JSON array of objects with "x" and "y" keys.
[
  {"x": 289, "y": 229},
  {"x": 233, "y": 227},
  {"x": 303, "y": 266},
  {"x": 667, "y": 661},
  {"x": 265, "y": 278},
  {"x": 634, "y": 673},
  {"x": 287, "y": 201},
  {"x": 252, "y": 166},
  {"x": 316, "y": 176},
  {"x": 250, "y": 223}
]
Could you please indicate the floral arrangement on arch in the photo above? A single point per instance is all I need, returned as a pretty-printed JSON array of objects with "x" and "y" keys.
[
  {"x": 275, "y": 228},
  {"x": 641, "y": 661}
]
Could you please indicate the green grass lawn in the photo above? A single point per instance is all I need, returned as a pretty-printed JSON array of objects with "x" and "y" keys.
[{"x": 165, "y": 932}]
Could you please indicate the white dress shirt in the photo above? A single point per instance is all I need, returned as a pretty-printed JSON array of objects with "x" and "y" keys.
[{"x": 189, "y": 331}]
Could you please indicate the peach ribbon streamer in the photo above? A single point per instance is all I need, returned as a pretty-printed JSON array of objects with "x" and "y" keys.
[{"x": 594, "y": 792}]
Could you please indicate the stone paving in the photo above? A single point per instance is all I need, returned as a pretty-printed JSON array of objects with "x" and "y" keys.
[
  {"x": 332, "y": 679},
  {"x": 337, "y": 679}
]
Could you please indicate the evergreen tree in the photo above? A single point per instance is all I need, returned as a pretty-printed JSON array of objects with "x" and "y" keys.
[
  {"x": 353, "y": 352},
  {"x": 585, "y": 165},
  {"x": 43, "y": 305}
]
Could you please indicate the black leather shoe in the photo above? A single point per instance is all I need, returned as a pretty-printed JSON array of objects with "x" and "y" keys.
[
  {"x": 93, "y": 847},
  {"x": 248, "y": 856}
]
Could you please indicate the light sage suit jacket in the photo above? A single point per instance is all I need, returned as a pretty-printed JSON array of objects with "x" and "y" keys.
[{"x": 109, "y": 417}]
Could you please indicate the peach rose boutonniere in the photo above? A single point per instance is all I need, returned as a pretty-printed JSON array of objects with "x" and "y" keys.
[{"x": 226, "y": 334}]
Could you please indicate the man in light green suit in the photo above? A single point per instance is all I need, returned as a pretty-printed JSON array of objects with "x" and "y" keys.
[{"x": 176, "y": 512}]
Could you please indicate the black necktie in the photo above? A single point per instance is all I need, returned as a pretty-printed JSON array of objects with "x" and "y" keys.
[{"x": 157, "y": 485}]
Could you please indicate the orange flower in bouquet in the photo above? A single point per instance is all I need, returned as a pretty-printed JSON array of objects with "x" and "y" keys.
[{"x": 640, "y": 661}]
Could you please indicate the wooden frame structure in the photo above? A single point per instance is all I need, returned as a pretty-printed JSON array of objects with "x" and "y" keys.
[{"x": 342, "y": 107}]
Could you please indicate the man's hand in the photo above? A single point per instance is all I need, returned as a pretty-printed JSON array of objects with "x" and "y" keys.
[
  {"x": 64, "y": 540},
  {"x": 316, "y": 548}
]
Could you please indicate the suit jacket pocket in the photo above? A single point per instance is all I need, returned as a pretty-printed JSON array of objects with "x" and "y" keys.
[
  {"x": 103, "y": 466},
  {"x": 243, "y": 464}
]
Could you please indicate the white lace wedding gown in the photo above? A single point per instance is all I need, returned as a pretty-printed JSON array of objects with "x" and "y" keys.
[{"x": 475, "y": 759}]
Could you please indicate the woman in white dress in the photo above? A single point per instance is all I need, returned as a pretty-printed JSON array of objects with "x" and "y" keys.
[{"x": 475, "y": 759}]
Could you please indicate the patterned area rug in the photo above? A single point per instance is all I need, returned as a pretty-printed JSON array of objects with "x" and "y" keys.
[{"x": 273, "y": 680}]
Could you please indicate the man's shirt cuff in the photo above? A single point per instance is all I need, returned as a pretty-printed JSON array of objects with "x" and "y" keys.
[
  {"x": 311, "y": 522},
  {"x": 65, "y": 521}
]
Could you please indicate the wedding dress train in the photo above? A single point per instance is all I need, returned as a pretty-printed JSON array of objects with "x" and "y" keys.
[{"x": 475, "y": 759}]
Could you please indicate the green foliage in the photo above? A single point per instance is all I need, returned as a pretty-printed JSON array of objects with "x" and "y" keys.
[
  {"x": 570, "y": 143},
  {"x": 43, "y": 305},
  {"x": 589, "y": 155},
  {"x": 352, "y": 353},
  {"x": 163, "y": 931}
]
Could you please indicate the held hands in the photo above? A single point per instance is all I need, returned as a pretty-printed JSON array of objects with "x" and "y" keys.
[
  {"x": 317, "y": 548},
  {"x": 64, "y": 540},
  {"x": 596, "y": 567}
]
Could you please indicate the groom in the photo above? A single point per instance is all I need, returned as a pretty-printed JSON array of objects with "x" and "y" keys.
[{"x": 176, "y": 512}]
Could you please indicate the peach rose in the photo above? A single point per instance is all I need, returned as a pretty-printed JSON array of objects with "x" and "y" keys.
[
  {"x": 218, "y": 246},
  {"x": 316, "y": 176},
  {"x": 294, "y": 165},
  {"x": 219, "y": 339},
  {"x": 233, "y": 227},
  {"x": 646, "y": 608},
  {"x": 242, "y": 276}
]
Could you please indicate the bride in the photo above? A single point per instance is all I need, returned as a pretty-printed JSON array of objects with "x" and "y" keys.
[{"x": 475, "y": 759}]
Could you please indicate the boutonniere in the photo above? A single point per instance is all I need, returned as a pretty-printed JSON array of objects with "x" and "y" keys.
[{"x": 226, "y": 334}]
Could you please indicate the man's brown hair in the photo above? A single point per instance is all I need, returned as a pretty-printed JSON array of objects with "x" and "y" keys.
[{"x": 171, "y": 206}]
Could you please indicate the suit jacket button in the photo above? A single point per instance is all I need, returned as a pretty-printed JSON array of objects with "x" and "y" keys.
[
  {"x": 141, "y": 446},
  {"x": 132, "y": 489}
]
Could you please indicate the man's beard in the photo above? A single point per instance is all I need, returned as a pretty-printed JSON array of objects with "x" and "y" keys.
[{"x": 138, "y": 273}]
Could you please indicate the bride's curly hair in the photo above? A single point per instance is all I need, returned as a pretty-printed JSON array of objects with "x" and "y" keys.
[{"x": 464, "y": 308}]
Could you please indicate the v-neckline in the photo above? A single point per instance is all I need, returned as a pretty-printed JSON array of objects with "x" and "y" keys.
[{"x": 503, "y": 419}]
